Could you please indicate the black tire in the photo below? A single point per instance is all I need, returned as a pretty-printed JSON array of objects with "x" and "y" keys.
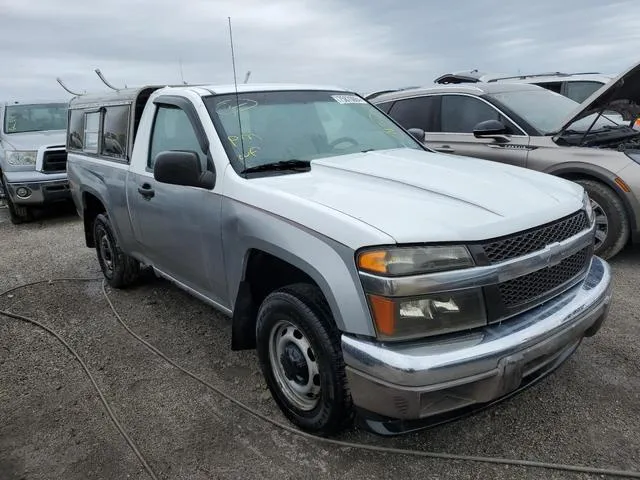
[
  {"x": 119, "y": 269},
  {"x": 17, "y": 213},
  {"x": 617, "y": 228},
  {"x": 304, "y": 307}
]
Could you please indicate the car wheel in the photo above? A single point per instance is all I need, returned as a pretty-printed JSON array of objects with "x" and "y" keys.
[
  {"x": 300, "y": 356},
  {"x": 119, "y": 269},
  {"x": 612, "y": 224},
  {"x": 17, "y": 213}
]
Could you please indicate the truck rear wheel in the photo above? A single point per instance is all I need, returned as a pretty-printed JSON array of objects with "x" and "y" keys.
[
  {"x": 301, "y": 359},
  {"x": 612, "y": 224},
  {"x": 119, "y": 269}
]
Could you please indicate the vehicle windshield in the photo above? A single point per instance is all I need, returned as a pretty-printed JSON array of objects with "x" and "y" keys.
[
  {"x": 301, "y": 125},
  {"x": 546, "y": 111},
  {"x": 35, "y": 117}
]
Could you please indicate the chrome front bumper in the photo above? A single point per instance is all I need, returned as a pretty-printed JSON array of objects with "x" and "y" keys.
[
  {"x": 459, "y": 371},
  {"x": 42, "y": 187}
]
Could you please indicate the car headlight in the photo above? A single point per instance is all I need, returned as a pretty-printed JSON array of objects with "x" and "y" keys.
[
  {"x": 427, "y": 315},
  {"x": 588, "y": 208},
  {"x": 24, "y": 157},
  {"x": 424, "y": 315},
  {"x": 402, "y": 261}
]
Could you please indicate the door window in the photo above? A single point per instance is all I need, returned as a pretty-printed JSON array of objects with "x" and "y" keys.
[
  {"x": 418, "y": 112},
  {"x": 172, "y": 130},
  {"x": 580, "y": 91},
  {"x": 460, "y": 114}
]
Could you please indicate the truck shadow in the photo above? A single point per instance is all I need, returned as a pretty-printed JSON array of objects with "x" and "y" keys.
[{"x": 56, "y": 214}]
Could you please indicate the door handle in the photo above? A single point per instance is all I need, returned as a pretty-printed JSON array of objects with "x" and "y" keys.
[
  {"x": 146, "y": 191},
  {"x": 444, "y": 149}
]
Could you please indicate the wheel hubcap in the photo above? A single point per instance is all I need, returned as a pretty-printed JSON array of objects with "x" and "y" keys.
[
  {"x": 294, "y": 365},
  {"x": 106, "y": 252},
  {"x": 602, "y": 224}
]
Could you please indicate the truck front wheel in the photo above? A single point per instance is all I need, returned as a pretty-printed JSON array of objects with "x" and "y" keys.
[
  {"x": 119, "y": 269},
  {"x": 300, "y": 356}
]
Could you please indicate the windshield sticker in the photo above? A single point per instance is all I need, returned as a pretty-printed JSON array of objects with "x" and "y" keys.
[{"x": 347, "y": 99}]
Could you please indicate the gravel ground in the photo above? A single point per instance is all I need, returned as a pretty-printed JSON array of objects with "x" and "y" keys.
[{"x": 53, "y": 426}]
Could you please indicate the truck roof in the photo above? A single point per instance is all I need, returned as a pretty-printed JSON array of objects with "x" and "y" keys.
[
  {"x": 129, "y": 95},
  {"x": 8, "y": 103}
]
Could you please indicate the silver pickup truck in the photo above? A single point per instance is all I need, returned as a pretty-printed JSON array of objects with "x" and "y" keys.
[
  {"x": 378, "y": 280},
  {"x": 33, "y": 160}
]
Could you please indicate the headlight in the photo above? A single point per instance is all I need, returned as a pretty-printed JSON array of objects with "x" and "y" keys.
[
  {"x": 414, "y": 260},
  {"x": 406, "y": 318},
  {"x": 16, "y": 157},
  {"x": 588, "y": 207}
]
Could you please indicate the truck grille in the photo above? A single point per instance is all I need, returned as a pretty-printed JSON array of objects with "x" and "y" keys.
[
  {"x": 528, "y": 288},
  {"x": 54, "y": 161},
  {"x": 536, "y": 239}
]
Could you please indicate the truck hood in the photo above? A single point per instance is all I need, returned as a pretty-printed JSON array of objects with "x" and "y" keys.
[
  {"x": 418, "y": 196},
  {"x": 35, "y": 140},
  {"x": 622, "y": 91}
]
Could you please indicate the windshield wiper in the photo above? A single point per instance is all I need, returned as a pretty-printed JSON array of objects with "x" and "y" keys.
[{"x": 292, "y": 164}]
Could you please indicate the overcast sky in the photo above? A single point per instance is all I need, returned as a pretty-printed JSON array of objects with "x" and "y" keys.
[{"x": 359, "y": 44}]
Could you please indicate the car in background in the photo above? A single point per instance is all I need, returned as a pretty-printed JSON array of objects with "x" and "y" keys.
[
  {"x": 533, "y": 127},
  {"x": 576, "y": 86},
  {"x": 375, "y": 93},
  {"x": 33, "y": 158}
]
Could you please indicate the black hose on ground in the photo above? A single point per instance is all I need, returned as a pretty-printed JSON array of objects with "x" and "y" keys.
[{"x": 275, "y": 423}]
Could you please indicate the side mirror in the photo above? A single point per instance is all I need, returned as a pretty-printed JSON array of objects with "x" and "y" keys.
[
  {"x": 182, "y": 168},
  {"x": 490, "y": 128},
  {"x": 418, "y": 134}
]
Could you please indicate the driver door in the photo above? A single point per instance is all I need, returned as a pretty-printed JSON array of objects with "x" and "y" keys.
[{"x": 177, "y": 226}]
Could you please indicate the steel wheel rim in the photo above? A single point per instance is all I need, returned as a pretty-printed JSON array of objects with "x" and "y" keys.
[
  {"x": 602, "y": 224},
  {"x": 106, "y": 252},
  {"x": 294, "y": 365}
]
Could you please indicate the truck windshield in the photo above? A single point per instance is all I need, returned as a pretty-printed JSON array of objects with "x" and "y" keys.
[
  {"x": 35, "y": 117},
  {"x": 280, "y": 126}
]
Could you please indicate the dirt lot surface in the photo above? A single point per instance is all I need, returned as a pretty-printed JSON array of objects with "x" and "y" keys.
[{"x": 53, "y": 426}]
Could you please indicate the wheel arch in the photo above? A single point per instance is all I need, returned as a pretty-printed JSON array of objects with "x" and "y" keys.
[
  {"x": 264, "y": 270},
  {"x": 577, "y": 171}
]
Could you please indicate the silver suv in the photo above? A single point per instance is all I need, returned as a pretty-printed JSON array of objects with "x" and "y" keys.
[
  {"x": 530, "y": 126},
  {"x": 576, "y": 86}
]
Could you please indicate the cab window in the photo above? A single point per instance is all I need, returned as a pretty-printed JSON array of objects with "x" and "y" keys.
[{"x": 172, "y": 130}]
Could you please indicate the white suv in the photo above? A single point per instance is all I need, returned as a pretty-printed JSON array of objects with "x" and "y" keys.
[{"x": 576, "y": 86}]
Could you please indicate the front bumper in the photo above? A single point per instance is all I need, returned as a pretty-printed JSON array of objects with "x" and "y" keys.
[
  {"x": 459, "y": 372},
  {"x": 43, "y": 187}
]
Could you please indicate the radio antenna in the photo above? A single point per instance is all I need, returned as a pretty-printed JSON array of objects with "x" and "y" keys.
[
  {"x": 246, "y": 78},
  {"x": 104, "y": 80},
  {"x": 235, "y": 85},
  {"x": 59, "y": 80},
  {"x": 182, "y": 73}
]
